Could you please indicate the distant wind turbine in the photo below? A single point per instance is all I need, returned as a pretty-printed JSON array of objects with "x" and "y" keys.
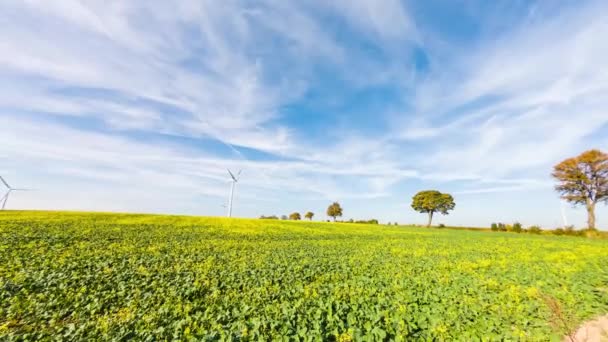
[
  {"x": 564, "y": 218},
  {"x": 4, "y": 198},
  {"x": 235, "y": 179}
]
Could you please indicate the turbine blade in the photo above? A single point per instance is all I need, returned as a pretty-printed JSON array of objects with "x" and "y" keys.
[
  {"x": 5, "y": 183},
  {"x": 5, "y": 199},
  {"x": 231, "y": 175},
  {"x": 21, "y": 189}
]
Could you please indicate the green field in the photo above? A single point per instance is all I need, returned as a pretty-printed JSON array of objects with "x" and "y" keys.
[{"x": 107, "y": 276}]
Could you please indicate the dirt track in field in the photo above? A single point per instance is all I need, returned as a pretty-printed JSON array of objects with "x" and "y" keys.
[{"x": 592, "y": 331}]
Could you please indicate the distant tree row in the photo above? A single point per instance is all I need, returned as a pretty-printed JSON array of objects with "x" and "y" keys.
[
  {"x": 273, "y": 217},
  {"x": 296, "y": 216},
  {"x": 334, "y": 211},
  {"x": 371, "y": 221},
  {"x": 517, "y": 228},
  {"x": 293, "y": 216},
  {"x": 581, "y": 180}
]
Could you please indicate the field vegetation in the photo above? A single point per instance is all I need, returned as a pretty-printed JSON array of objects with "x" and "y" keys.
[{"x": 79, "y": 276}]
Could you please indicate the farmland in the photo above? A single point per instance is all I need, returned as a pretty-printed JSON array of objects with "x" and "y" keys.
[{"x": 79, "y": 276}]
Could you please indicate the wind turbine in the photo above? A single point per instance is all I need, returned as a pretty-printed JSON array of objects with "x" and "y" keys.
[
  {"x": 564, "y": 218},
  {"x": 4, "y": 198},
  {"x": 235, "y": 179}
]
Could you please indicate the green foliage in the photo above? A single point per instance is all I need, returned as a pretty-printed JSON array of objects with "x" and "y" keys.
[
  {"x": 592, "y": 233},
  {"x": 441, "y": 225},
  {"x": 583, "y": 178},
  {"x": 309, "y": 215},
  {"x": 295, "y": 216},
  {"x": 102, "y": 277},
  {"x": 432, "y": 201},
  {"x": 571, "y": 231},
  {"x": 273, "y": 217},
  {"x": 372, "y": 221},
  {"x": 284, "y": 217},
  {"x": 334, "y": 210},
  {"x": 516, "y": 227}
]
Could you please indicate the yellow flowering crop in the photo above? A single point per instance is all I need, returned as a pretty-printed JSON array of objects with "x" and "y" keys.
[{"x": 86, "y": 277}]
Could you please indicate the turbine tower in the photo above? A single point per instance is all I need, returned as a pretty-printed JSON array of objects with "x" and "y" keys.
[
  {"x": 564, "y": 218},
  {"x": 4, "y": 198},
  {"x": 235, "y": 179}
]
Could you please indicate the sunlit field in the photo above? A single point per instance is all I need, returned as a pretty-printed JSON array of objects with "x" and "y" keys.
[{"x": 108, "y": 276}]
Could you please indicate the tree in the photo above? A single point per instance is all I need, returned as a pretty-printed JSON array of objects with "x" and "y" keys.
[
  {"x": 584, "y": 180},
  {"x": 334, "y": 210},
  {"x": 517, "y": 227},
  {"x": 295, "y": 216},
  {"x": 309, "y": 215},
  {"x": 432, "y": 201}
]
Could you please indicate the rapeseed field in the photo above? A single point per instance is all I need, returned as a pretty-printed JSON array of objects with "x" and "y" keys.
[{"x": 86, "y": 277}]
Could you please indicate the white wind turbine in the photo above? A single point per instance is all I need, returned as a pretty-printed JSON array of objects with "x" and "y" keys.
[
  {"x": 564, "y": 218},
  {"x": 4, "y": 198},
  {"x": 235, "y": 179}
]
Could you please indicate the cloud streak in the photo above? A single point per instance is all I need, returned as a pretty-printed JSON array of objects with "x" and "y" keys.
[{"x": 161, "y": 98}]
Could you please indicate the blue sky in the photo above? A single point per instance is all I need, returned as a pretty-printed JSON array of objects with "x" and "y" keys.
[{"x": 142, "y": 105}]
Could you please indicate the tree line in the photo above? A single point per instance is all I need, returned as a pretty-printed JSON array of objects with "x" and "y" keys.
[
  {"x": 334, "y": 211},
  {"x": 581, "y": 180}
]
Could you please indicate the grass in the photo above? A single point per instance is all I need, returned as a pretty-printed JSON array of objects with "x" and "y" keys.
[{"x": 84, "y": 276}]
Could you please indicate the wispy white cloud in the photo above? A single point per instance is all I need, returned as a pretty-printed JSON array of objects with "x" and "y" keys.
[
  {"x": 534, "y": 96},
  {"x": 490, "y": 118},
  {"x": 384, "y": 19},
  {"x": 94, "y": 160},
  {"x": 208, "y": 65},
  {"x": 114, "y": 49}
]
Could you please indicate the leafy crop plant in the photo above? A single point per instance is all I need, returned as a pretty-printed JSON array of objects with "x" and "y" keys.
[{"x": 88, "y": 277}]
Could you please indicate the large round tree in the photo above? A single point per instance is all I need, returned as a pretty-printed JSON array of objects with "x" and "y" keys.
[
  {"x": 584, "y": 180},
  {"x": 334, "y": 210},
  {"x": 432, "y": 201}
]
